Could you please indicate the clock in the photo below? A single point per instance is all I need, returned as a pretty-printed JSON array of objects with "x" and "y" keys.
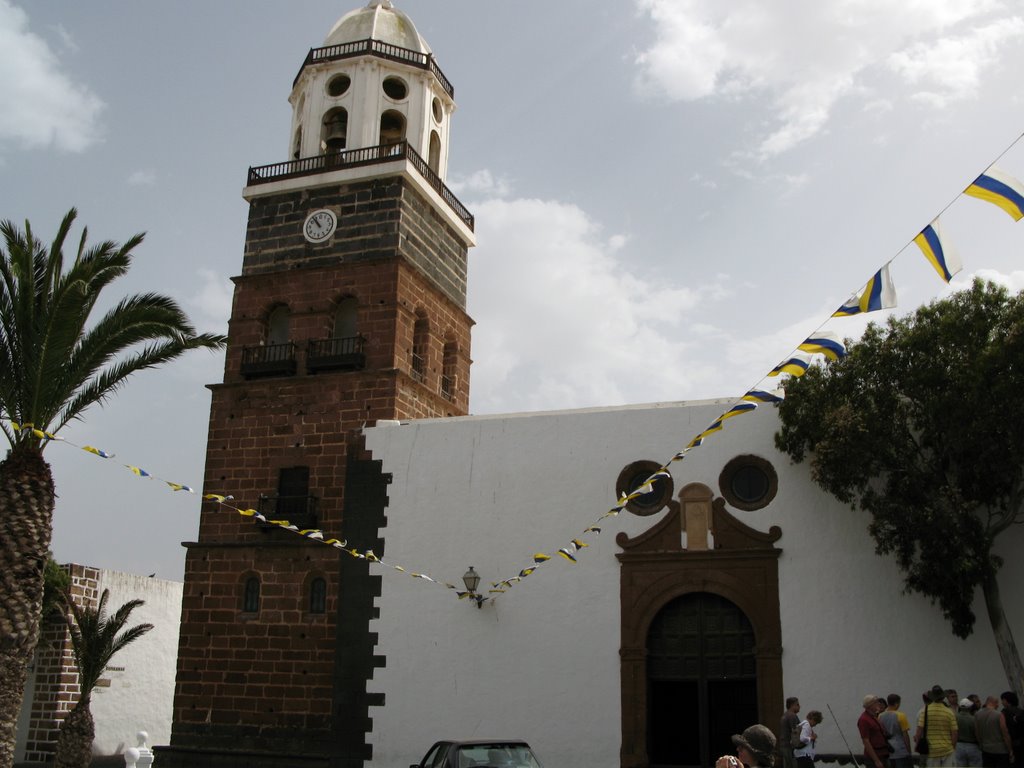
[{"x": 319, "y": 225}]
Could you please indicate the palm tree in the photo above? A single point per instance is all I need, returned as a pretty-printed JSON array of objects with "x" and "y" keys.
[
  {"x": 53, "y": 367},
  {"x": 95, "y": 639}
]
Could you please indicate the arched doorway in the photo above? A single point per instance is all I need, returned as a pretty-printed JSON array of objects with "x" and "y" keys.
[
  {"x": 701, "y": 569},
  {"x": 701, "y": 680}
]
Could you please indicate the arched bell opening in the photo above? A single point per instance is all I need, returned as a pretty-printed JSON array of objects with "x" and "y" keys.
[{"x": 334, "y": 131}]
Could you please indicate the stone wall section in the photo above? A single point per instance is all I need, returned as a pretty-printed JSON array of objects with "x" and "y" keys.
[
  {"x": 56, "y": 676},
  {"x": 377, "y": 219},
  {"x": 269, "y": 682}
]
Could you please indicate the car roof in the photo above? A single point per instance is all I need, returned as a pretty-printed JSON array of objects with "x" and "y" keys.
[{"x": 481, "y": 742}]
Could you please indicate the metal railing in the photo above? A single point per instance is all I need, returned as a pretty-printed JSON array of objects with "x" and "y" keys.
[
  {"x": 370, "y": 47},
  {"x": 269, "y": 359},
  {"x": 346, "y": 352},
  {"x": 354, "y": 158},
  {"x": 418, "y": 369},
  {"x": 448, "y": 387}
]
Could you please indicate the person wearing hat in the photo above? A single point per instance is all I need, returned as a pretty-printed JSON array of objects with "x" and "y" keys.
[
  {"x": 872, "y": 733},
  {"x": 968, "y": 751},
  {"x": 942, "y": 730},
  {"x": 755, "y": 748}
]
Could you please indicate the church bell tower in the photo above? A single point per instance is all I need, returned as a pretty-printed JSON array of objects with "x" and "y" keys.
[{"x": 350, "y": 308}]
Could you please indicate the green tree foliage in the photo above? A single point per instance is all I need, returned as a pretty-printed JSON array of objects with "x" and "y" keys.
[
  {"x": 55, "y": 583},
  {"x": 56, "y": 360},
  {"x": 95, "y": 640},
  {"x": 921, "y": 425}
]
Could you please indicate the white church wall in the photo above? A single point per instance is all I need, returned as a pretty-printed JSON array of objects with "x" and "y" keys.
[
  {"x": 541, "y": 662},
  {"x": 141, "y": 690}
]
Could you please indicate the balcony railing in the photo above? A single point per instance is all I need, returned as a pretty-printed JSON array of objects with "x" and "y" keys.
[
  {"x": 269, "y": 360},
  {"x": 336, "y": 354},
  {"x": 300, "y": 511},
  {"x": 380, "y": 50},
  {"x": 448, "y": 387},
  {"x": 355, "y": 158},
  {"x": 418, "y": 369}
]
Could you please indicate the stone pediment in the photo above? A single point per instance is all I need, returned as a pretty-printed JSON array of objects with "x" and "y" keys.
[{"x": 698, "y": 522}]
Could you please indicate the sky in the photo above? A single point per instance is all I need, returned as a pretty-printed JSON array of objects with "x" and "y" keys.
[{"x": 670, "y": 195}]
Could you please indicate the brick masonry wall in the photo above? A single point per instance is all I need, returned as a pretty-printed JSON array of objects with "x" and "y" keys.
[
  {"x": 283, "y": 680},
  {"x": 56, "y": 677}
]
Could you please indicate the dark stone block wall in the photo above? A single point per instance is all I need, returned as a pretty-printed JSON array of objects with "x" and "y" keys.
[
  {"x": 377, "y": 219},
  {"x": 282, "y": 685}
]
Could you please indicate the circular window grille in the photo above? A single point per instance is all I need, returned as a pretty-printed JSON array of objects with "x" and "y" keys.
[
  {"x": 438, "y": 112},
  {"x": 632, "y": 476},
  {"x": 748, "y": 482},
  {"x": 338, "y": 85},
  {"x": 395, "y": 88}
]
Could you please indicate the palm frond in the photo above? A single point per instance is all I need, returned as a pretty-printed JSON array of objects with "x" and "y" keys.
[
  {"x": 96, "y": 638},
  {"x": 53, "y": 362}
]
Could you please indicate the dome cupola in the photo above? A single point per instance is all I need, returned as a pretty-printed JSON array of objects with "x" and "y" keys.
[
  {"x": 374, "y": 83},
  {"x": 380, "y": 21}
]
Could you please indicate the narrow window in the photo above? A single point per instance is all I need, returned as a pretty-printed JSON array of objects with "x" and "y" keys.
[
  {"x": 297, "y": 146},
  {"x": 292, "y": 493},
  {"x": 278, "y": 326},
  {"x": 318, "y": 596},
  {"x": 420, "y": 339},
  {"x": 251, "y": 598},
  {"x": 451, "y": 356},
  {"x": 392, "y": 128},
  {"x": 345, "y": 319},
  {"x": 434, "y": 159}
]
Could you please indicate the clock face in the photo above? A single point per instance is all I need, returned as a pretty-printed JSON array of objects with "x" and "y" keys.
[{"x": 319, "y": 225}]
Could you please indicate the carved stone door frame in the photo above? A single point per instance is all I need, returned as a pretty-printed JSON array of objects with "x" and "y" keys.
[{"x": 737, "y": 562}]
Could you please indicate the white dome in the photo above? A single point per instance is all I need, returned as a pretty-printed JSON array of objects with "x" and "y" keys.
[{"x": 378, "y": 21}]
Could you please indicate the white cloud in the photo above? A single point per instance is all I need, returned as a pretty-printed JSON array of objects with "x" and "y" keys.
[
  {"x": 142, "y": 178},
  {"x": 213, "y": 300},
  {"x": 481, "y": 183},
  {"x": 1012, "y": 281},
  {"x": 565, "y": 319},
  {"x": 41, "y": 106},
  {"x": 805, "y": 55},
  {"x": 953, "y": 66}
]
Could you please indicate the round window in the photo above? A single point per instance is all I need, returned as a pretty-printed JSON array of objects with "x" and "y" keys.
[
  {"x": 748, "y": 482},
  {"x": 395, "y": 88},
  {"x": 435, "y": 107},
  {"x": 633, "y": 476},
  {"x": 338, "y": 85}
]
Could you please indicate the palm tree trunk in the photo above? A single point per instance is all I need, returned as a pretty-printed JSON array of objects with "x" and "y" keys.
[
  {"x": 1004, "y": 637},
  {"x": 74, "y": 742},
  {"x": 26, "y": 516}
]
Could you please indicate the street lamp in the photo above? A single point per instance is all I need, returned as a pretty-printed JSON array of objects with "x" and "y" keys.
[{"x": 472, "y": 580}]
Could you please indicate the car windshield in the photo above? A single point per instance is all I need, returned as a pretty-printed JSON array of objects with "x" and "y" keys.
[{"x": 497, "y": 756}]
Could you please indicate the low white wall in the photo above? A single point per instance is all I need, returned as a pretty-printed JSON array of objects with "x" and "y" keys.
[
  {"x": 141, "y": 691},
  {"x": 542, "y": 662}
]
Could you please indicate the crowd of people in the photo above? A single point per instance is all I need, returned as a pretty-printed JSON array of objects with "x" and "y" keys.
[{"x": 949, "y": 731}]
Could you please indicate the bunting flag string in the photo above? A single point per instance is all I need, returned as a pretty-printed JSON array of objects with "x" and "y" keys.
[
  {"x": 1001, "y": 189},
  {"x": 879, "y": 293},
  {"x": 993, "y": 186},
  {"x": 225, "y": 502},
  {"x": 939, "y": 253}
]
